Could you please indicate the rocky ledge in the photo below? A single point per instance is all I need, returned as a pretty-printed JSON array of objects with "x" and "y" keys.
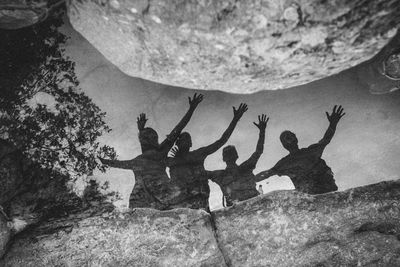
[
  {"x": 357, "y": 227},
  {"x": 142, "y": 237}
]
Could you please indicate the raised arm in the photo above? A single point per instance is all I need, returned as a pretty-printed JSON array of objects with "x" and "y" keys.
[
  {"x": 237, "y": 114},
  {"x": 252, "y": 161},
  {"x": 169, "y": 141},
  {"x": 121, "y": 164},
  {"x": 333, "y": 118},
  {"x": 141, "y": 121}
]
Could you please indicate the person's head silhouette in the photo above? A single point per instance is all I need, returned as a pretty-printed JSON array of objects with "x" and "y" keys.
[
  {"x": 229, "y": 154},
  {"x": 289, "y": 141},
  {"x": 184, "y": 142},
  {"x": 148, "y": 139}
]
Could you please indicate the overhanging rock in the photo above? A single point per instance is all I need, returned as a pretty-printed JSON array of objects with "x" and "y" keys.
[
  {"x": 232, "y": 45},
  {"x": 236, "y": 46}
]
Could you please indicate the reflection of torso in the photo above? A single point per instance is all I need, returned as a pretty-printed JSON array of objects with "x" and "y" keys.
[
  {"x": 187, "y": 168},
  {"x": 237, "y": 183},
  {"x": 308, "y": 172},
  {"x": 151, "y": 181},
  {"x": 189, "y": 174}
]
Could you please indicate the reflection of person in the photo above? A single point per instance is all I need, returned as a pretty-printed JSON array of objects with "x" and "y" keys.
[
  {"x": 238, "y": 182},
  {"x": 308, "y": 172},
  {"x": 260, "y": 190},
  {"x": 187, "y": 167},
  {"x": 152, "y": 188}
]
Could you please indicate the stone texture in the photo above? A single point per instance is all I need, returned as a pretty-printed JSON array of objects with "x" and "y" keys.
[
  {"x": 381, "y": 74},
  {"x": 142, "y": 237},
  {"x": 391, "y": 65},
  {"x": 357, "y": 227},
  {"x": 16, "y": 14},
  {"x": 231, "y": 45},
  {"x": 236, "y": 46}
]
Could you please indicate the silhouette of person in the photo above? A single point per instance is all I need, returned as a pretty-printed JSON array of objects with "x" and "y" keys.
[
  {"x": 187, "y": 167},
  {"x": 152, "y": 186},
  {"x": 237, "y": 182},
  {"x": 308, "y": 172}
]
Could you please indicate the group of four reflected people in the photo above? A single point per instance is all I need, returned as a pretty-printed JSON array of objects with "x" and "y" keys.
[{"x": 187, "y": 186}]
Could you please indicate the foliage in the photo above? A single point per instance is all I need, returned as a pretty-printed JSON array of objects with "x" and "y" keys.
[{"x": 42, "y": 108}]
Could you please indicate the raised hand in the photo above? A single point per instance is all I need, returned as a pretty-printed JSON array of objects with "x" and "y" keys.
[
  {"x": 238, "y": 113},
  {"x": 193, "y": 102},
  {"x": 337, "y": 114},
  {"x": 262, "y": 122},
  {"x": 141, "y": 121}
]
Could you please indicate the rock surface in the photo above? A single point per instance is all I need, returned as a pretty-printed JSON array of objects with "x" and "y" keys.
[
  {"x": 142, "y": 237},
  {"x": 15, "y": 14},
  {"x": 357, "y": 227},
  {"x": 236, "y": 46},
  {"x": 231, "y": 45}
]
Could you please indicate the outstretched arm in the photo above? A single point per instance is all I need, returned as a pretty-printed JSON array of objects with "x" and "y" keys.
[
  {"x": 171, "y": 138},
  {"x": 265, "y": 174},
  {"x": 333, "y": 118},
  {"x": 215, "y": 176},
  {"x": 237, "y": 114},
  {"x": 121, "y": 164},
  {"x": 278, "y": 169},
  {"x": 252, "y": 161}
]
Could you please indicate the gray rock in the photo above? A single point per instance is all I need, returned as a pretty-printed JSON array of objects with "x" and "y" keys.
[
  {"x": 357, "y": 227},
  {"x": 142, "y": 237},
  {"x": 236, "y": 46}
]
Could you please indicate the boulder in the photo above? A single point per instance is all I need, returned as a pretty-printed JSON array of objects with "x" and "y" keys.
[
  {"x": 357, "y": 227},
  {"x": 142, "y": 237},
  {"x": 235, "y": 46}
]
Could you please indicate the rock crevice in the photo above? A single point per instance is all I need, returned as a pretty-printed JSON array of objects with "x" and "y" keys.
[
  {"x": 359, "y": 227},
  {"x": 220, "y": 247}
]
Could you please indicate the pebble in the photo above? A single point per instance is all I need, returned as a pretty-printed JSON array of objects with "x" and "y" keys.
[
  {"x": 156, "y": 19},
  {"x": 114, "y": 4}
]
